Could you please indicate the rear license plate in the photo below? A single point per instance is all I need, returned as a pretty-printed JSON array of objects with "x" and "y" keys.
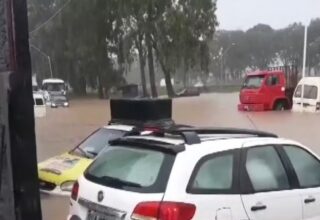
[{"x": 98, "y": 216}]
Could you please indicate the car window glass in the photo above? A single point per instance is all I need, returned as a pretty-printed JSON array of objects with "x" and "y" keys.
[
  {"x": 38, "y": 101},
  {"x": 265, "y": 169},
  {"x": 253, "y": 82},
  {"x": 306, "y": 166},
  {"x": 131, "y": 169},
  {"x": 99, "y": 140},
  {"x": 298, "y": 91},
  {"x": 272, "y": 80},
  {"x": 310, "y": 92},
  {"x": 215, "y": 174}
]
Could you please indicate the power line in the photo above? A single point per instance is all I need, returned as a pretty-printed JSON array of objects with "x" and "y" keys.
[{"x": 50, "y": 18}]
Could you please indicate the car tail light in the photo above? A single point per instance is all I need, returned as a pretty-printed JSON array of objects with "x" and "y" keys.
[
  {"x": 163, "y": 211},
  {"x": 153, "y": 129},
  {"x": 75, "y": 191}
]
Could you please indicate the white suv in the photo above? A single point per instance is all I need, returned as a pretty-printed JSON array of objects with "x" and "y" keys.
[{"x": 203, "y": 174}]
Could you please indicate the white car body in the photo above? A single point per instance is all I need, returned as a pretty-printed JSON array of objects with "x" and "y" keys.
[
  {"x": 238, "y": 202},
  {"x": 39, "y": 105},
  {"x": 311, "y": 100},
  {"x": 51, "y": 81}
]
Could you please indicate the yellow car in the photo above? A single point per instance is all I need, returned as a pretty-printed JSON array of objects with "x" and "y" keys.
[{"x": 58, "y": 174}]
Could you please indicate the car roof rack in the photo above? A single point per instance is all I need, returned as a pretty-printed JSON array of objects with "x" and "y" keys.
[{"x": 191, "y": 135}]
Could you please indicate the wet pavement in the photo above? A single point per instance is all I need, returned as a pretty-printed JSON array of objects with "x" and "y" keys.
[{"x": 62, "y": 128}]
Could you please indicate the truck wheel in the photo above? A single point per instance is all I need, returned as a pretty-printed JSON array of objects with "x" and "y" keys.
[{"x": 280, "y": 106}]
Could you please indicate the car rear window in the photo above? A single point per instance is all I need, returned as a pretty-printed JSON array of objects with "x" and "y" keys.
[{"x": 132, "y": 169}]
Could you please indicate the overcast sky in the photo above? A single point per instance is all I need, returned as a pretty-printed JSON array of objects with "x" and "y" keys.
[{"x": 243, "y": 14}]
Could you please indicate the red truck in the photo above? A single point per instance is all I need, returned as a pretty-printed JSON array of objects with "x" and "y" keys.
[{"x": 271, "y": 89}]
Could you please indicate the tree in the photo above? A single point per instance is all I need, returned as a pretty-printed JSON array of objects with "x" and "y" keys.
[{"x": 182, "y": 33}]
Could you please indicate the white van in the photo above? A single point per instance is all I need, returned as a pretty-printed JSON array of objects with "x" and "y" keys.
[
  {"x": 39, "y": 105},
  {"x": 311, "y": 98}
]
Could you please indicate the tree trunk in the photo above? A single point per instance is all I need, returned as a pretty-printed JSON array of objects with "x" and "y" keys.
[
  {"x": 167, "y": 77},
  {"x": 154, "y": 92},
  {"x": 166, "y": 72},
  {"x": 142, "y": 61},
  {"x": 100, "y": 87}
]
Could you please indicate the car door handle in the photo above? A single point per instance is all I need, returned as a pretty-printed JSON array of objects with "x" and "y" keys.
[
  {"x": 309, "y": 200},
  {"x": 258, "y": 208}
]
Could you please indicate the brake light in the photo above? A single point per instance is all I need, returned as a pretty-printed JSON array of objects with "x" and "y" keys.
[
  {"x": 152, "y": 129},
  {"x": 75, "y": 191},
  {"x": 163, "y": 211}
]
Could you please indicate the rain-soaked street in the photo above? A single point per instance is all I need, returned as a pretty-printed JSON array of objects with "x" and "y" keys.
[{"x": 62, "y": 129}]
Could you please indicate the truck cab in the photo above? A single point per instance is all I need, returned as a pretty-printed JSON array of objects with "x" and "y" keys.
[{"x": 267, "y": 90}]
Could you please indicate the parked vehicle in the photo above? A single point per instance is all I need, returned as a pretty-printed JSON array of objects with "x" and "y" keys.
[
  {"x": 269, "y": 90},
  {"x": 310, "y": 102},
  {"x": 200, "y": 174},
  {"x": 58, "y": 174},
  {"x": 39, "y": 105}
]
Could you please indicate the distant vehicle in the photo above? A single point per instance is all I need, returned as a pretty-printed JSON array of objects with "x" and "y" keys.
[
  {"x": 311, "y": 95},
  {"x": 189, "y": 91},
  {"x": 59, "y": 101},
  {"x": 39, "y": 105},
  {"x": 35, "y": 87},
  {"x": 53, "y": 87},
  {"x": 269, "y": 90},
  {"x": 58, "y": 174},
  {"x": 200, "y": 174}
]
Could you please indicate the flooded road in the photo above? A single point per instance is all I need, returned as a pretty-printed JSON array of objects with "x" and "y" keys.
[{"x": 62, "y": 129}]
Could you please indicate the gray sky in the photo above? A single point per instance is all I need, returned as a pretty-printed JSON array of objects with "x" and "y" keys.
[{"x": 243, "y": 14}]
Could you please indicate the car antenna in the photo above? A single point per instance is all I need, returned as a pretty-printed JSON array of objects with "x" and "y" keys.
[{"x": 252, "y": 122}]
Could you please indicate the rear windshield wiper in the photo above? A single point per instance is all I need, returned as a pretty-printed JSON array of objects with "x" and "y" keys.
[{"x": 119, "y": 182}]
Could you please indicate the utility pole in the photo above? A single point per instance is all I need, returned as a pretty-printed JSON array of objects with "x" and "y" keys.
[
  {"x": 19, "y": 189},
  {"x": 304, "y": 61},
  {"x": 222, "y": 54},
  {"x": 46, "y": 56}
]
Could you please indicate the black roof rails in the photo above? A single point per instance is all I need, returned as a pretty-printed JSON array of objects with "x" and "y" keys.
[
  {"x": 190, "y": 135},
  {"x": 148, "y": 144}
]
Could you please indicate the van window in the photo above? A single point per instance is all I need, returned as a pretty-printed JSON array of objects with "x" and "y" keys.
[
  {"x": 38, "y": 101},
  {"x": 310, "y": 92}
]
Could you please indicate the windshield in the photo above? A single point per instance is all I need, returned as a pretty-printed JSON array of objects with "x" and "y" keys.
[
  {"x": 310, "y": 92},
  {"x": 132, "y": 169},
  {"x": 253, "y": 82},
  {"x": 54, "y": 87},
  {"x": 92, "y": 146}
]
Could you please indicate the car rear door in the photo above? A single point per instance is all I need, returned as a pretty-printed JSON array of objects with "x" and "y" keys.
[
  {"x": 266, "y": 185},
  {"x": 210, "y": 182},
  {"x": 123, "y": 180},
  {"x": 307, "y": 169}
]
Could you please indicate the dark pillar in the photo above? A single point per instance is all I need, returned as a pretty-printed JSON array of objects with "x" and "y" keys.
[{"x": 19, "y": 194}]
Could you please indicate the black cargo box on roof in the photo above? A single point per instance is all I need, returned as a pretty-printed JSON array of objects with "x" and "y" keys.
[{"x": 132, "y": 111}]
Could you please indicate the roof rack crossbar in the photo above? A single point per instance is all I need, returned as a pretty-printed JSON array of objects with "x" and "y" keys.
[{"x": 191, "y": 135}]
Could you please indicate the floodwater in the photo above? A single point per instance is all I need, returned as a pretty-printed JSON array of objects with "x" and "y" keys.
[{"x": 62, "y": 129}]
